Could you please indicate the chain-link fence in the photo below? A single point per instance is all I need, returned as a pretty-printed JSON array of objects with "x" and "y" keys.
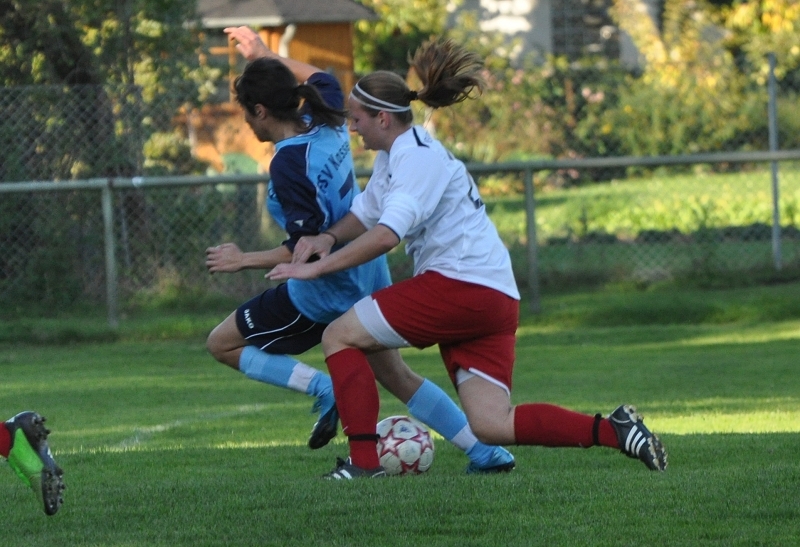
[{"x": 102, "y": 233}]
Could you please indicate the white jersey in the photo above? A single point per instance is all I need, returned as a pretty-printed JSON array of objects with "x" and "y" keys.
[{"x": 427, "y": 197}]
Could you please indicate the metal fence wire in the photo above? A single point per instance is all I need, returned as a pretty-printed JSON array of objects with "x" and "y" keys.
[
  {"x": 71, "y": 132},
  {"x": 130, "y": 209}
]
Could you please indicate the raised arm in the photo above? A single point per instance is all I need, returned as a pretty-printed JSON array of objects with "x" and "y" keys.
[{"x": 250, "y": 45}]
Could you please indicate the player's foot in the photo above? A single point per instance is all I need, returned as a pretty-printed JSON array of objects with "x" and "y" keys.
[
  {"x": 327, "y": 423},
  {"x": 635, "y": 440},
  {"x": 31, "y": 459},
  {"x": 345, "y": 470},
  {"x": 502, "y": 461}
]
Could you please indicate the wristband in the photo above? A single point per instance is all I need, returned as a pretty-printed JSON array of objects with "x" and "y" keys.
[{"x": 335, "y": 239}]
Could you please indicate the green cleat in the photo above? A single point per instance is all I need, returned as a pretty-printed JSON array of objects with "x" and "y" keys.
[{"x": 31, "y": 459}]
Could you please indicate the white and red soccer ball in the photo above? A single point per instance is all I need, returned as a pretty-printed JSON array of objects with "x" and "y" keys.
[{"x": 404, "y": 446}]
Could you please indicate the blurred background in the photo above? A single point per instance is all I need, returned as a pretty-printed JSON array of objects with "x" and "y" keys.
[{"x": 124, "y": 154}]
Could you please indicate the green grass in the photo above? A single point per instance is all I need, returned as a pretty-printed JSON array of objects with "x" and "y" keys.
[
  {"x": 708, "y": 229},
  {"x": 162, "y": 446},
  {"x": 661, "y": 203}
]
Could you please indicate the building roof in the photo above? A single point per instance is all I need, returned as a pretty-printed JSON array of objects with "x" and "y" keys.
[{"x": 276, "y": 13}]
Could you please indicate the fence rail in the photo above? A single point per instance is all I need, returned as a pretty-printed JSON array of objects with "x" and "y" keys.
[
  {"x": 145, "y": 236},
  {"x": 154, "y": 231}
]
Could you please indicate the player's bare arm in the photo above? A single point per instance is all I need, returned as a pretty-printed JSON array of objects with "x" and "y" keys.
[
  {"x": 250, "y": 45},
  {"x": 371, "y": 244},
  {"x": 347, "y": 229},
  {"x": 229, "y": 258}
]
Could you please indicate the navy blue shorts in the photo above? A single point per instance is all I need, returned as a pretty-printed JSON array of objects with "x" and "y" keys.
[{"x": 272, "y": 323}]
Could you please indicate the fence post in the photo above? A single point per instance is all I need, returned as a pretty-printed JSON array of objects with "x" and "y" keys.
[
  {"x": 773, "y": 146},
  {"x": 533, "y": 262},
  {"x": 111, "y": 261}
]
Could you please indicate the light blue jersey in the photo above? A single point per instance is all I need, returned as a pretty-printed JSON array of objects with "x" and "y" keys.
[{"x": 312, "y": 187}]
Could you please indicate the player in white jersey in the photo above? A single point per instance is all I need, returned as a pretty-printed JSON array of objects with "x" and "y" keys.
[
  {"x": 312, "y": 185},
  {"x": 462, "y": 296}
]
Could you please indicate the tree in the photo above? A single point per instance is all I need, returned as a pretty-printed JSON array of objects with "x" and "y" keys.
[
  {"x": 691, "y": 95},
  {"x": 402, "y": 27},
  {"x": 111, "y": 45},
  {"x": 761, "y": 27},
  {"x": 90, "y": 88}
]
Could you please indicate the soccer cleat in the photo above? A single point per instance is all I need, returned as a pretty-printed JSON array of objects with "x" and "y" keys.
[
  {"x": 345, "y": 470},
  {"x": 32, "y": 461},
  {"x": 635, "y": 440},
  {"x": 502, "y": 461},
  {"x": 325, "y": 428}
]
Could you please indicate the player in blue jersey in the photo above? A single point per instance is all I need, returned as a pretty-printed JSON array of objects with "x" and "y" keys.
[{"x": 312, "y": 186}]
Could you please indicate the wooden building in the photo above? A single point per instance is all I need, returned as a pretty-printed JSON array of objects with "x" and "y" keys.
[{"x": 318, "y": 32}]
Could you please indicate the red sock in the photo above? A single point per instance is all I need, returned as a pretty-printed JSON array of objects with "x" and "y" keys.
[
  {"x": 5, "y": 440},
  {"x": 550, "y": 425},
  {"x": 358, "y": 404}
]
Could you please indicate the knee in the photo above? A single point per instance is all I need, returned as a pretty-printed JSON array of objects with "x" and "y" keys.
[
  {"x": 213, "y": 345},
  {"x": 331, "y": 339}
]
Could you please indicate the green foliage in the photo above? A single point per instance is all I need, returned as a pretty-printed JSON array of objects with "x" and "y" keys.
[
  {"x": 49, "y": 257},
  {"x": 115, "y": 46},
  {"x": 759, "y": 27},
  {"x": 403, "y": 25},
  {"x": 552, "y": 110},
  {"x": 692, "y": 95},
  {"x": 683, "y": 121},
  {"x": 788, "y": 110},
  {"x": 168, "y": 152}
]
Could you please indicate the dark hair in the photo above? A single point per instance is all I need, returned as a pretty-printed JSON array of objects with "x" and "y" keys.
[
  {"x": 449, "y": 75},
  {"x": 270, "y": 83}
]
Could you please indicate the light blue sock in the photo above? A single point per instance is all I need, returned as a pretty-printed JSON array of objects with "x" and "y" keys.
[
  {"x": 283, "y": 371},
  {"x": 432, "y": 406}
]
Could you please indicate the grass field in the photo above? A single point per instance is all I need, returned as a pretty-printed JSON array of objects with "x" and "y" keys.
[
  {"x": 675, "y": 202},
  {"x": 164, "y": 447}
]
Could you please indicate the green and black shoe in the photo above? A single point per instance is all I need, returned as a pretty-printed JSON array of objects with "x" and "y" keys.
[{"x": 31, "y": 459}]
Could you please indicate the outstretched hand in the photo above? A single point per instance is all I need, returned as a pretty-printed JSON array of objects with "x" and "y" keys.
[
  {"x": 317, "y": 246},
  {"x": 249, "y": 43},
  {"x": 224, "y": 258},
  {"x": 308, "y": 246},
  {"x": 285, "y": 271}
]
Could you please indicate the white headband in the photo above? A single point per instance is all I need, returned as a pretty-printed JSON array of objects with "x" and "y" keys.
[{"x": 379, "y": 104}]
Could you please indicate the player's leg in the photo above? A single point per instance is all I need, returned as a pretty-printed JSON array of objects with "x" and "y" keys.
[
  {"x": 23, "y": 442},
  {"x": 482, "y": 368},
  {"x": 370, "y": 327},
  {"x": 344, "y": 343},
  {"x": 475, "y": 328},
  {"x": 270, "y": 321},
  {"x": 494, "y": 420},
  {"x": 429, "y": 404}
]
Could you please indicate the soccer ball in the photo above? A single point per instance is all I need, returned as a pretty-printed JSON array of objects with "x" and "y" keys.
[{"x": 404, "y": 446}]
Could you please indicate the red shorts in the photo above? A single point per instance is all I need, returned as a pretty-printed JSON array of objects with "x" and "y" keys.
[{"x": 475, "y": 326}]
